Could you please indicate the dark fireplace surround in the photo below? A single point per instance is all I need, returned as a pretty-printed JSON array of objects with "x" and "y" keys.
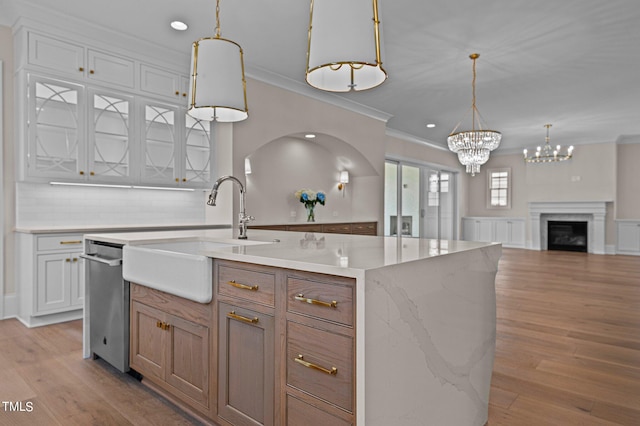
[{"x": 567, "y": 236}]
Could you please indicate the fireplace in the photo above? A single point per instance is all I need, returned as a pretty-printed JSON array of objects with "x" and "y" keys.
[
  {"x": 567, "y": 236},
  {"x": 592, "y": 212}
]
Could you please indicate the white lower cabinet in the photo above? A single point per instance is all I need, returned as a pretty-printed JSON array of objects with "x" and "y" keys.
[
  {"x": 628, "y": 237},
  {"x": 50, "y": 277},
  {"x": 508, "y": 231}
]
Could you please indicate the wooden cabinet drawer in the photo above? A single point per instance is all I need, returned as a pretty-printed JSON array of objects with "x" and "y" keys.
[
  {"x": 60, "y": 242},
  {"x": 321, "y": 299},
  {"x": 364, "y": 228},
  {"x": 312, "y": 354},
  {"x": 254, "y": 285},
  {"x": 337, "y": 228},
  {"x": 301, "y": 413},
  {"x": 305, "y": 228}
]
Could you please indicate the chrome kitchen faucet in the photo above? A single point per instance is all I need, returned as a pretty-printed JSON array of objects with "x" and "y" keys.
[{"x": 243, "y": 219}]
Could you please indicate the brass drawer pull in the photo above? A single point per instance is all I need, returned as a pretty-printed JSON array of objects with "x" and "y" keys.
[
  {"x": 243, "y": 286},
  {"x": 163, "y": 325},
  {"x": 71, "y": 242},
  {"x": 300, "y": 360},
  {"x": 235, "y": 316},
  {"x": 332, "y": 304}
]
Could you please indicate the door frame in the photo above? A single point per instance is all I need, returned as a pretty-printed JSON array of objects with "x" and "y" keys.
[{"x": 423, "y": 167}]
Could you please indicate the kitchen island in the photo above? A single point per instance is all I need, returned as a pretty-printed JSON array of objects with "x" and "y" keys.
[{"x": 404, "y": 328}]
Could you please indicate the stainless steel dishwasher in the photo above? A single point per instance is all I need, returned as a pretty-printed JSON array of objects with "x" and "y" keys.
[{"x": 108, "y": 303}]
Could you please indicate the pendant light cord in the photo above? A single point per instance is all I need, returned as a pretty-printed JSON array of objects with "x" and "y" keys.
[
  {"x": 217, "y": 18},
  {"x": 473, "y": 56}
]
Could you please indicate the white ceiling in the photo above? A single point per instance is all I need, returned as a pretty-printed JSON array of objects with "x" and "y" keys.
[{"x": 572, "y": 63}]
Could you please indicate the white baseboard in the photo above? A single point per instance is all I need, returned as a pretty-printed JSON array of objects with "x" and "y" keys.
[
  {"x": 610, "y": 249},
  {"x": 10, "y": 306}
]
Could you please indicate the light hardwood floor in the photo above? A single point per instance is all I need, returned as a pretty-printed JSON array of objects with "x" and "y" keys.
[
  {"x": 568, "y": 353},
  {"x": 568, "y": 340}
]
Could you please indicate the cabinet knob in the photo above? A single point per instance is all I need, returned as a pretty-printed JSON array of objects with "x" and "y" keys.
[
  {"x": 184, "y": 179},
  {"x": 177, "y": 180},
  {"x": 81, "y": 172},
  {"x": 184, "y": 95},
  {"x": 81, "y": 69},
  {"x": 92, "y": 173},
  {"x": 92, "y": 72}
]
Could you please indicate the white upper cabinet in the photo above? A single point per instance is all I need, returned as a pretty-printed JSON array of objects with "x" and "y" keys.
[
  {"x": 56, "y": 55},
  {"x": 79, "y": 62},
  {"x": 99, "y": 116},
  {"x": 56, "y": 128},
  {"x": 176, "y": 147},
  {"x": 107, "y": 68},
  {"x": 163, "y": 83}
]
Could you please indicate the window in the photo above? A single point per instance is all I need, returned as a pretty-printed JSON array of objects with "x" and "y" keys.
[{"x": 499, "y": 188}]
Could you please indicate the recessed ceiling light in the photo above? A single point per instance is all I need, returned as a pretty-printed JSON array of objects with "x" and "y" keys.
[
  {"x": 431, "y": 125},
  {"x": 179, "y": 25},
  {"x": 309, "y": 136}
]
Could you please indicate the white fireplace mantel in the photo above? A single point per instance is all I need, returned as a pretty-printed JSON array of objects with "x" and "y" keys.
[{"x": 592, "y": 212}]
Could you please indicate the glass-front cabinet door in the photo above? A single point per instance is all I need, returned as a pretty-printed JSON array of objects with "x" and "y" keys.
[
  {"x": 159, "y": 143},
  {"x": 110, "y": 137},
  {"x": 196, "y": 166},
  {"x": 55, "y": 128},
  {"x": 81, "y": 133},
  {"x": 176, "y": 148}
]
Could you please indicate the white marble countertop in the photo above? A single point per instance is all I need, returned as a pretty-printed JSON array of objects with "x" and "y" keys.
[
  {"x": 57, "y": 229},
  {"x": 338, "y": 254}
]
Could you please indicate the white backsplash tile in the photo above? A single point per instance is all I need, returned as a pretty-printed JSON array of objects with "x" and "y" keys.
[{"x": 44, "y": 204}]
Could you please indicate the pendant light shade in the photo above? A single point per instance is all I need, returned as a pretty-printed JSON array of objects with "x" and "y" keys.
[
  {"x": 344, "y": 46},
  {"x": 217, "y": 89}
]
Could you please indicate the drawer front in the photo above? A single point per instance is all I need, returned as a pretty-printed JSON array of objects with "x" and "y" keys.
[
  {"x": 247, "y": 284},
  {"x": 312, "y": 354},
  {"x": 305, "y": 228},
  {"x": 60, "y": 242},
  {"x": 365, "y": 228},
  {"x": 329, "y": 301},
  {"x": 301, "y": 413},
  {"x": 338, "y": 228}
]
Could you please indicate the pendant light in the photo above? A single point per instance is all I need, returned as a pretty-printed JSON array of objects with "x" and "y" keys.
[
  {"x": 473, "y": 146},
  {"x": 217, "y": 90},
  {"x": 343, "y": 52}
]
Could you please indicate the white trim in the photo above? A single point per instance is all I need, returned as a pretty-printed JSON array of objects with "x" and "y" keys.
[
  {"x": 490, "y": 172},
  {"x": 414, "y": 139},
  {"x": 594, "y": 212},
  {"x": 10, "y": 306},
  {"x": 304, "y": 89}
]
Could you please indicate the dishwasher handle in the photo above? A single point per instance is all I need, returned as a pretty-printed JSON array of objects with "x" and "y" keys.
[{"x": 106, "y": 260}]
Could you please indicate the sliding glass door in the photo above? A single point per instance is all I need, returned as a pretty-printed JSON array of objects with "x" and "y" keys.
[{"x": 420, "y": 201}]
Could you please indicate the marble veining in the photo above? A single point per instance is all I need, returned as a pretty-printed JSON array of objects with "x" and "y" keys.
[{"x": 437, "y": 332}]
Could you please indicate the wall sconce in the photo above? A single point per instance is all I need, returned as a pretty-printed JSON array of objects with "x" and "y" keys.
[
  {"x": 247, "y": 166},
  {"x": 344, "y": 179}
]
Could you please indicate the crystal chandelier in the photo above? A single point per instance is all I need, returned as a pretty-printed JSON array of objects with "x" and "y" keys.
[
  {"x": 343, "y": 51},
  {"x": 547, "y": 154},
  {"x": 217, "y": 90},
  {"x": 473, "y": 146}
]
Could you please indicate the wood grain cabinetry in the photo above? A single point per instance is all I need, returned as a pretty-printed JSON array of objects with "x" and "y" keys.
[
  {"x": 170, "y": 345},
  {"x": 274, "y": 347},
  {"x": 246, "y": 343},
  {"x": 359, "y": 228},
  {"x": 320, "y": 348}
]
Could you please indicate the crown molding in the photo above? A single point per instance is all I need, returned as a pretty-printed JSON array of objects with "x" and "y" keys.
[
  {"x": 414, "y": 139},
  {"x": 273, "y": 79}
]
